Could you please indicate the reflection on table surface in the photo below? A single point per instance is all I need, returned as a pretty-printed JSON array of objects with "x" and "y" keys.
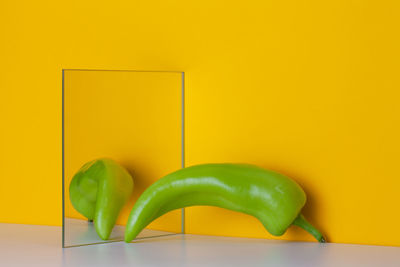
[{"x": 81, "y": 232}]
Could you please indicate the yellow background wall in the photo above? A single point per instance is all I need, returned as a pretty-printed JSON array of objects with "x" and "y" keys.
[{"x": 308, "y": 88}]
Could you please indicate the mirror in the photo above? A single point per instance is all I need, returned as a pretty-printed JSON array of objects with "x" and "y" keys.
[{"x": 132, "y": 117}]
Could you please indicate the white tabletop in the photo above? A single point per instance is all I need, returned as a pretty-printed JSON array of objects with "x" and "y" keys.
[{"x": 33, "y": 245}]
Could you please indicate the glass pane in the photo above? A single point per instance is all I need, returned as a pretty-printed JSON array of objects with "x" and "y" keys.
[{"x": 132, "y": 117}]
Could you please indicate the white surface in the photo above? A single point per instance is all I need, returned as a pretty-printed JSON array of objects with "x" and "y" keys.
[
  {"x": 28, "y": 245},
  {"x": 81, "y": 232}
]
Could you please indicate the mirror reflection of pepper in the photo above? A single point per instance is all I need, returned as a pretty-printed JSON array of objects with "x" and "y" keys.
[
  {"x": 98, "y": 191},
  {"x": 274, "y": 199}
]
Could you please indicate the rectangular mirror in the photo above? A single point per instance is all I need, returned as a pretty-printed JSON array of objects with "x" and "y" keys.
[{"x": 132, "y": 117}]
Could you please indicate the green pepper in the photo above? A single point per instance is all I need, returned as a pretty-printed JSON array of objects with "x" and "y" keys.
[
  {"x": 274, "y": 199},
  {"x": 98, "y": 191}
]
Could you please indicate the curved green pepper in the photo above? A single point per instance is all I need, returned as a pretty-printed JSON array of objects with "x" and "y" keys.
[
  {"x": 98, "y": 191},
  {"x": 272, "y": 198}
]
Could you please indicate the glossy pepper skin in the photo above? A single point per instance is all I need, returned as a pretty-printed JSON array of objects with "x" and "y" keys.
[
  {"x": 274, "y": 199},
  {"x": 98, "y": 191}
]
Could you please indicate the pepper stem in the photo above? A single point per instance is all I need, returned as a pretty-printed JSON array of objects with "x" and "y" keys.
[{"x": 301, "y": 222}]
